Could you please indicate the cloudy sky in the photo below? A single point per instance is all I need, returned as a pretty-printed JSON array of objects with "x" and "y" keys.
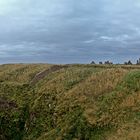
[{"x": 69, "y": 31}]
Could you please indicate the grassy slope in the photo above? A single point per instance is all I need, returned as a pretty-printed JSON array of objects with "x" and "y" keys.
[{"x": 78, "y": 102}]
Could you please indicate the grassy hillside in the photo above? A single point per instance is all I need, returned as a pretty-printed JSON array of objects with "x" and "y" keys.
[{"x": 69, "y": 102}]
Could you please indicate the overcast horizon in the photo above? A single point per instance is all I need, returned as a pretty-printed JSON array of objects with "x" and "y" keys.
[{"x": 69, "y": 31}]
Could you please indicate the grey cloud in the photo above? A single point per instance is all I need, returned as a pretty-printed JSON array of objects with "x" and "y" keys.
[{"x": 67, "y": 31}]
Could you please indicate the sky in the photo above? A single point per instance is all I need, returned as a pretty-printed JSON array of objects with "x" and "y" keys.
[{"x": 69, "y": 31}]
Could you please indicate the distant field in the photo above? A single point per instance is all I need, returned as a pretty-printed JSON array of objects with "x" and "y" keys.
[{"x": 69, "y": 102}]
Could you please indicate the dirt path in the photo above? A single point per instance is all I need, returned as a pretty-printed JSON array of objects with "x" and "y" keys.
[{"x": 44, "y": 73}]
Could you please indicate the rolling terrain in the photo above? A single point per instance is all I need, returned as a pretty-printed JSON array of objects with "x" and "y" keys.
[{"x": 69, "y": 102}]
